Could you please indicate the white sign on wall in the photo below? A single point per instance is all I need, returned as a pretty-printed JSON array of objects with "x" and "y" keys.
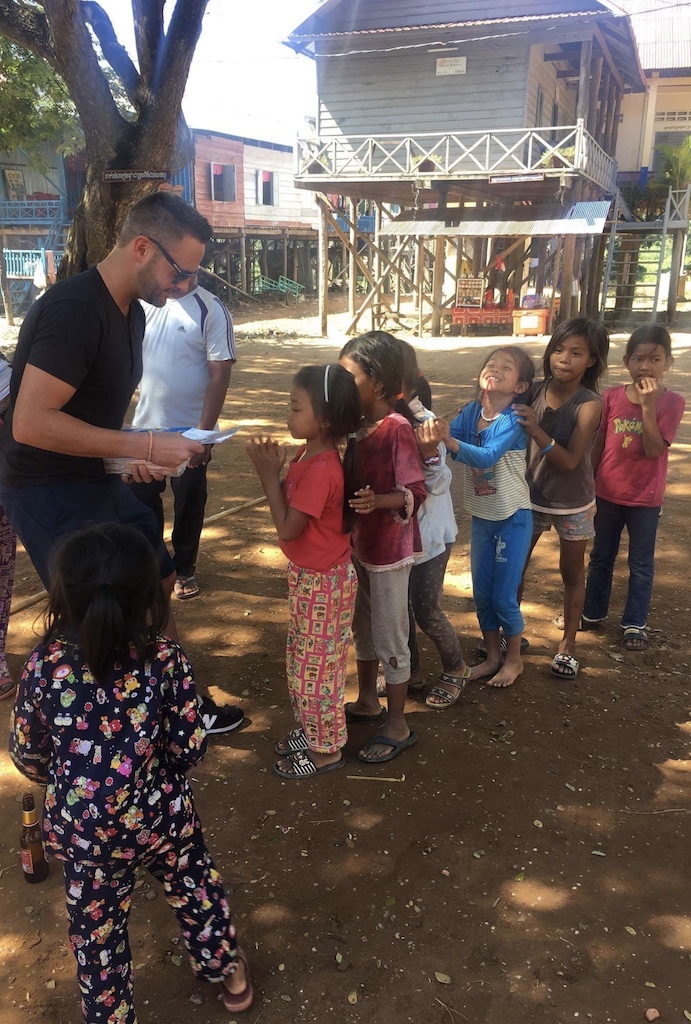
[{"x": 451, "y": 65}]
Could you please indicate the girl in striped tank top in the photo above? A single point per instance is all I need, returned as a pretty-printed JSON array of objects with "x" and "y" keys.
[{"x": 488, "y": 439}]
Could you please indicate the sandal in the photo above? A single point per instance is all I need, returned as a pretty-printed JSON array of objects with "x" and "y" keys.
[
  {"x": 564, "y": 666},
  {"x": 303, "y": 767},
  {"x": 7, "y": 687},
  {"x": 635, "y": 638},
  {"x": 354, "y": 716},
  {"x": 446, "y": 699},
  {"x": 237, "y": 1002},
  {"x": 294, "y": 742},
  {"x": 185, "y": 588},
  {"x": 386, "y": 741}
]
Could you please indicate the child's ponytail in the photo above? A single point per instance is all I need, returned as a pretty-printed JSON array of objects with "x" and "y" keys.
[{"x": 106, "y": 595}]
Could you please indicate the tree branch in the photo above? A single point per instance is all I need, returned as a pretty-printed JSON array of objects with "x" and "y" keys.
[
  {"x": 167, "y": 85},
  {"x": 27, "y": 26},
  {"x": 76, "y": 61},
  {"x": 113, "y": 51},
  {"x": 148, "y": 35}
]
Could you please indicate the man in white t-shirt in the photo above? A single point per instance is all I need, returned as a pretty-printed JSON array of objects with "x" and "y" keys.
[{"x": 188, "y": 354}]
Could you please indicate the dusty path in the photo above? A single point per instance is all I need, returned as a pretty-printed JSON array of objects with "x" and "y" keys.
[{"x": 533, "y": 847}]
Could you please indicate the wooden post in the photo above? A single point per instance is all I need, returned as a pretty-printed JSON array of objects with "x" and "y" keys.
[
  {"x": 567, "y": 276},
  {"x": 541, "y": 269},
  {"x": 397, "y": 279},
  {"x": 5, "y": 285},
  {"x": 594, "y": 95},
  {"x": 352, "y": 262},
  {"x": 678, "y": 248},
  {"x": 583, "y": 103},
  {"x": 294, "y": 250},
  {"x": 323, "y": 263},
  {"x": 243, "y": 262},
  {"x": 284, "y": 237},
  {"x": 438, "y": 282},
  {"x": 595, "y": 276}
]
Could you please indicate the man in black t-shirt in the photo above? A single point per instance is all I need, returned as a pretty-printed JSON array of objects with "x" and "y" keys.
[{"x": 78, "y": 361}]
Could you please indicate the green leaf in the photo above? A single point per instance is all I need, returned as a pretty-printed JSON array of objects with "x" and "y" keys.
[
  {"x": 520, "y": 877},
  {"x": 443, "y": 979},
  {"x": 390, "y": 901}
]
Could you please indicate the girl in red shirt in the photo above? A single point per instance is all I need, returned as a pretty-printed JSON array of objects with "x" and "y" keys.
[
  {"x": 313, "y": 519},
  {"x": 386, "y": 538}
]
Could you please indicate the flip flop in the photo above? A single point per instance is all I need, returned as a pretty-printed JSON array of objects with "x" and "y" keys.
[
  {"x": 305, "y": 768},
  {"x": 564, "y": 666},
  {"x": 186, "y": 587},
  {"x": 635, "y": 638},
  {"x": 295, "y": 741},
  {"x": 386, "y": 741},
  {"x": 237, "y": 1002},
  {"x": 446, "y": 699},
  {"x": 353, "y": 716}
]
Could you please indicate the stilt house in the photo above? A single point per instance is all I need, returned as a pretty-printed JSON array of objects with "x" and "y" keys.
[{"x": 484, "y": 135}]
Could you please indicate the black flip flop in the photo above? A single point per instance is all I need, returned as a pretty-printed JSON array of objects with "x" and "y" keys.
[
  {"x": 387, "y": 741},
  {"x": 353, "y": 716},
  {"x": 305, "y": 768}
]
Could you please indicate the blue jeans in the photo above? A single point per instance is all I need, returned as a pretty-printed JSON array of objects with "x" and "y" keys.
[
  {"x": 498, "y": 550},
  {"x": 641, "y": 523}
]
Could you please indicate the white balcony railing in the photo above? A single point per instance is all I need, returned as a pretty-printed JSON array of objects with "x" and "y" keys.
[{"x": 478, "y": 155}]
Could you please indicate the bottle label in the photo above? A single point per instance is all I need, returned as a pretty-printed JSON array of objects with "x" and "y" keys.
[{"x": 27, "y": 862}]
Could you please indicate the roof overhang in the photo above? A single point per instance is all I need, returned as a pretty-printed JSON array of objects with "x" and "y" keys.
[{"x": 584, "y": 218}]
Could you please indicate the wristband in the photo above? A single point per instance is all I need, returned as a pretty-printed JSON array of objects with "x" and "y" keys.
[
  {"x": 433, "y": 460},
  {"x": 151, "y": 445},
  {"x": 548, "y": 448}
]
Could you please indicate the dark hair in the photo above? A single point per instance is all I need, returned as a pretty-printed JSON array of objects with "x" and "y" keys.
[
  {"x": 381, "y": 357},
  {"x": 650, "y": 334},
  {"x": 106, "y": 595},
  {"x": 525, "y": 367},
  {"x": 598, "y": 343},
  {"x": 411, "y": 375},
  {"x": 165, "y": 217},
  {"x": 335, "y": 400}
]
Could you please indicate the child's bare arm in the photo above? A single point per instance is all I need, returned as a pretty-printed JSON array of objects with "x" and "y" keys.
[
  {"x": 268, "y": 459},
  {"x": 563, "y": 457}
]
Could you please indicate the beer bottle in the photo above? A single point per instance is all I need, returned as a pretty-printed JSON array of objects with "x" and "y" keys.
[{"x": 34, "y": 863}]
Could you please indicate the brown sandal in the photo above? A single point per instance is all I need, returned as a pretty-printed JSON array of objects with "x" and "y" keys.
[{"x": 237, "y": 1002}]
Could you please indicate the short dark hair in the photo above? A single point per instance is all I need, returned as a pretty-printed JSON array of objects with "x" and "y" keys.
[
  {"x": 380, "y": 357},
  {"x": 342, "y": 410},
  {"x": 598, "y": 342},
  {"x": 649, "y": 334},
  {"x": 165, "y": 217},
  {"x": 106, "y": 595}
]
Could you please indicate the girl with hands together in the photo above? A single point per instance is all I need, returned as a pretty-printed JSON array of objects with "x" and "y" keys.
[{"x": 313, "y": 520}]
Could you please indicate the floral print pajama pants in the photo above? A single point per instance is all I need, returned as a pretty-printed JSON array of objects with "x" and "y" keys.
[
  {"x": 8, "y": 546},
  {"x": 98, "y": 906}
]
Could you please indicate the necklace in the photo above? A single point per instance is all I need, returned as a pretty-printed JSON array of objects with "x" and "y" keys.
[{"x": 489, "y": 419}]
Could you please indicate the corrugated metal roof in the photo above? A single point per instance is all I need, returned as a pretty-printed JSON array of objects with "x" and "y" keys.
[
  {"x": 662, "y": 31},
  {"x": 519, "y": 19},
  {"x": 585, "y": 218}
]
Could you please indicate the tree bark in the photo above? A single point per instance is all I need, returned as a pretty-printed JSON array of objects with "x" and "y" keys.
[{"x": 156, "y": 138}]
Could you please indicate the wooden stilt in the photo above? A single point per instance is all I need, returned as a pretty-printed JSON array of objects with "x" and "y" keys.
[
  {"x": 243, "y": 262},
  {"x": 323, "y": 263},
  {"x": 438, "y": 282},
  {"x": 284, "y": 240},
  {"x": 352, "y": 260}
]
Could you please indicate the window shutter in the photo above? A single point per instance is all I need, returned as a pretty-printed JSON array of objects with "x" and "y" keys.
[
  {"x": 212, "y": 173},
  {"x": 258, "y": 187},
  {"x": 229, "y": 190}
]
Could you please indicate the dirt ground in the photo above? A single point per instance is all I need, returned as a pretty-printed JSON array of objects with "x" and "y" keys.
[{"x": 526, "y": 862}]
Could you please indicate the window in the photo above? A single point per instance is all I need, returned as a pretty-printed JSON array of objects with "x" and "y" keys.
[
  {"x": 223, "y": 183},
  {"x": 267, "y": 188},
  {"x": 675, "y": 139}
]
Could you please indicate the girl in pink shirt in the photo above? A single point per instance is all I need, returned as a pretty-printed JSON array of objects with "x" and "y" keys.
[
  {"x": 313, "y": 519},
  {"x": 639, "y": 423},
  {"x": 386, "y": 539}
]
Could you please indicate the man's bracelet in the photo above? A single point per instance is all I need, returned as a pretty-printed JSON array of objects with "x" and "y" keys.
[{"x": 548, "y": 448}]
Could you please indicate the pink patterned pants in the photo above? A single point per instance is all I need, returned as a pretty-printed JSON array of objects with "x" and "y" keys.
[{"x": 321, "y": 613}]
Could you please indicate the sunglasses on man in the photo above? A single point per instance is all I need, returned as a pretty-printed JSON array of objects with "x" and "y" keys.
[{"x": 180, "y": 274}]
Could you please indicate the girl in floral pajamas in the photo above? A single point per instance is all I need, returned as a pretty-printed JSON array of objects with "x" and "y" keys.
[{"x": 107, "y": 718}]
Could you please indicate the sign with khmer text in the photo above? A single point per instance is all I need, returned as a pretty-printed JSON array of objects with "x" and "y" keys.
[{"x": 126, "y": 176}]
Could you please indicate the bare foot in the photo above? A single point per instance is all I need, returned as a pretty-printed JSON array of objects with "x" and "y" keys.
[
  {"x": 372, "y": 709},
  {"x": 236, "y": 983},
  {"x": 484, "y": 670},
  {"x": 507, "y": 674}
]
